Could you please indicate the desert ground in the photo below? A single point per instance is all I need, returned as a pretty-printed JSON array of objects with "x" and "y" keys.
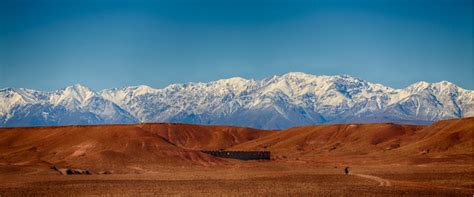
[{"x": 164, "y": 159}]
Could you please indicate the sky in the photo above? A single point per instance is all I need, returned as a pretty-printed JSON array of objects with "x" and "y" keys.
[{"x": 47, "y": 45}]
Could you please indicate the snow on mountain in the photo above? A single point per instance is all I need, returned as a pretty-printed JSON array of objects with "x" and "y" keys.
[
  {"x": 273, "y": 103},
  {"x": 75, "y": 104}
]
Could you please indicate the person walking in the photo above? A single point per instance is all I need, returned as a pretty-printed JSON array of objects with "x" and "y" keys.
[{"x": 346, "y": 170}]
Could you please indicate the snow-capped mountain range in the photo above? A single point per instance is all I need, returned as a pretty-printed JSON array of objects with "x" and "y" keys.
[{"x": 276, "y": 102}]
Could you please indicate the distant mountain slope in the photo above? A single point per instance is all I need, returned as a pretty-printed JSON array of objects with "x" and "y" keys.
[
  {"x": 74, "y": 105},
  {"x": 277, "y": 102}
]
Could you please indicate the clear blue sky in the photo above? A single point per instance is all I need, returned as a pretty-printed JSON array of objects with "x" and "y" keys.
[{"x": 48, "y": 45}]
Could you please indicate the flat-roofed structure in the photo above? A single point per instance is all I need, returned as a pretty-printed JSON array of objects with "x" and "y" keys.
[{"x": 242, "y": 155}]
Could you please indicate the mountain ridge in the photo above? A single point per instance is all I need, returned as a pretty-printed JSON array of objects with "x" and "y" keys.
[{"x": 276, "y": 102}]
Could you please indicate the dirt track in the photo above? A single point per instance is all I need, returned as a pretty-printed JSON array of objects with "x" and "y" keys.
[
  {"x": 382, "y": 182},
  {"x": 248, "y": 178}
]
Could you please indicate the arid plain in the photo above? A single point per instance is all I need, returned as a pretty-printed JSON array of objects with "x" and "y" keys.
[{"x": 165, "y": 159}]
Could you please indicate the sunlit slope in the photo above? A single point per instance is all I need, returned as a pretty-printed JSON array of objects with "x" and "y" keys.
[
  {"x": 127, "y": 148},
  {"x": 445, "y": 141},
  {"x": 97, "y": 147},
  {"x": 201, "y": 137}
]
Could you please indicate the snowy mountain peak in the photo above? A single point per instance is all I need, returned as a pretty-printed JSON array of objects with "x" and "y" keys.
[
  {"x": 143, "y": 89},
  {"x": 76, "y": 104},
  {"x": 78, "y": 88},
  {"x": 418, "y": 86},
  {"x": 7, "y": 89},
  {"x": 298, "y": 75},
  {"x": 72, "y": 94},
  {"x": 276, "y": 102},
  {"x": 442, "y": 86},
  {"x": 445, "y": 85},
  {"x": 232, "y": 80}
]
